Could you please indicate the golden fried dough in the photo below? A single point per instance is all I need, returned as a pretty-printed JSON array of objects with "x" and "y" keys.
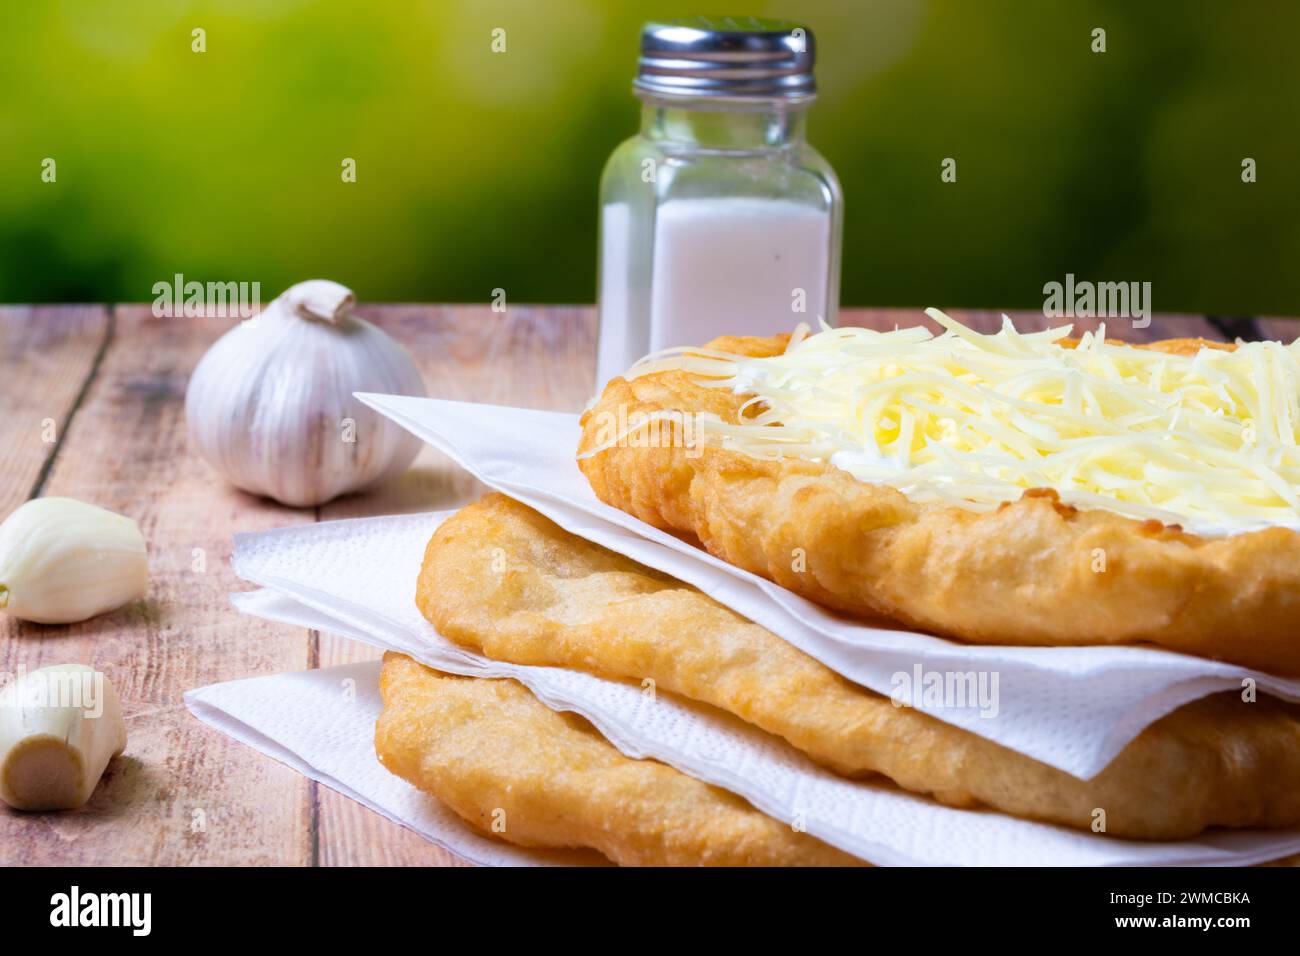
[
  {"x": 555, "y": 599},
  {"x": 1021, "y": 575},
  {"x": 498, "y": 756}
]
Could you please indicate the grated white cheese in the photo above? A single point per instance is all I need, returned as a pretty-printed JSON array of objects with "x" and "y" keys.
[{"x": 1206, "y": 441}]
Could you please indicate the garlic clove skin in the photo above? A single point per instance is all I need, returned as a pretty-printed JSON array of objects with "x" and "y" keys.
[
  {"x": 62, "y": 561},
  {"x": 270, "y": 405},
  {"x": 59, "y": 728}
]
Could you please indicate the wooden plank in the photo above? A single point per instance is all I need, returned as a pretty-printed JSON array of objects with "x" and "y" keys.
[
  {"x": 47, "y": 354},
  {"x": 1280, "y": 330},
  {"x": 183, "y": 793},
  {"x": 1234, "y": 327},
  {"x": 538, "y": 357}
]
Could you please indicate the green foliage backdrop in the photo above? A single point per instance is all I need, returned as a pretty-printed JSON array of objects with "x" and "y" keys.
[{"x": 478, "y": 170}]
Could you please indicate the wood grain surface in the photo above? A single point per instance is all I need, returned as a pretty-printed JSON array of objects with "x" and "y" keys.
[{"x": 92, "y": 406}]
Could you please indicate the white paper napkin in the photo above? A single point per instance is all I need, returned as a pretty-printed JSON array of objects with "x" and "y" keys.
[
  {"x": 1072, "y": 708},
  {"x": 322, "y": 723},
  {"x": 357, "y": 578}
]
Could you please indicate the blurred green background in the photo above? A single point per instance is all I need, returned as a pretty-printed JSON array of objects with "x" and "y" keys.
[{"x": 478, "y": 170}]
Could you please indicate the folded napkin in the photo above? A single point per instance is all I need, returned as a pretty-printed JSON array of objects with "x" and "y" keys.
[
  {"x": 1074, "y": 708},
  {"x": 357, "y": 578},
  {"x": 322, "y": 723}
]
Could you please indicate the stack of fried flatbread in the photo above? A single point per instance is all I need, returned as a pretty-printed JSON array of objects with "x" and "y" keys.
[{"x": 504, "y": 581}]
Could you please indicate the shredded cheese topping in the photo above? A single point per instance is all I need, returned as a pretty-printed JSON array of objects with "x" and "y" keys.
[{"x": 1206, "y": 441}]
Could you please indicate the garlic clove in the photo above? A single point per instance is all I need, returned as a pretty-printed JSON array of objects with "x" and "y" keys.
[
  {"x": 59, "y": 728},
  {"x": 270, "y": 405},
  {"x": 62, "y": 560}
]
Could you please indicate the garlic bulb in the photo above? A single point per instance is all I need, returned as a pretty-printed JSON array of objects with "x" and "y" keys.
[
  {"x": 270, "y": 405},
  {"x": 62, "y": 560},
  {"x": 59, "y": 728}
]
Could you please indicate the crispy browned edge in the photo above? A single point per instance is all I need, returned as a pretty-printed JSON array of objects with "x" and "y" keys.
[
  {"x": 1022, "y": 575},
  {"x": 494, "y": 754}
]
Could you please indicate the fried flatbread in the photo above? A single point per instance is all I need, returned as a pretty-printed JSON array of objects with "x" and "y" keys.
[
  {"x": 501, "y": 579},
  {"x": 1022, "y": 575},
  {"x": 515, "y": 769}
]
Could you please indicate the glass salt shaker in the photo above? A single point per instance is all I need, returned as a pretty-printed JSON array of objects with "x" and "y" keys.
[{"x": 717, "y": 218}]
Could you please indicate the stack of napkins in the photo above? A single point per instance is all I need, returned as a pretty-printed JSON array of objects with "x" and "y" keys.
[{"x": 1072, "y": 708}]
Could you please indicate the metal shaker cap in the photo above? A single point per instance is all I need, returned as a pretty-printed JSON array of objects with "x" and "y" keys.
[{"x": 727, "y": 58}]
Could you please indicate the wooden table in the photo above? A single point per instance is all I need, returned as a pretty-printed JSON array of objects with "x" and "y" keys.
[{"x": 92, "y": 407}]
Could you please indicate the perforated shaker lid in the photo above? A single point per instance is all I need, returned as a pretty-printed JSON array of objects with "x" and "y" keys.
[{"x": 727, "y": 57}]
